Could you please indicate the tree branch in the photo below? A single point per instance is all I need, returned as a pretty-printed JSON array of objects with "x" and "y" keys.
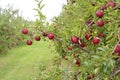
[
  {"x": 83, "y": 49},
  {"x": 115, "y": 73},
  {"x": 117, "y": 7}
]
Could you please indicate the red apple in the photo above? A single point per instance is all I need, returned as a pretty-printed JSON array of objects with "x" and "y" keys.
[
  {"x": 77, "y": 63},
  {"x": 29, "y": 42},
  {"x": 70, "y": 48},
  {"x": 83, "y": 45},
  {"x": 104, "y": 7},
  {"x": 111, "y": 4},
  {"x": 100, "y": 23},
  {"x": 37, "y": 38},
  {"x": 24, "y": 31},
  {"x": 101, "y": 35},
  {"x": 74, "y": 39},
  {"x": 99, "y": 13},
  {"x": 96, "y": 40},
  {"x": 117, "y": 49},
  {"x": 50, "y": 36},
  {"x": 87, "y": 36},
  {"x": 44, "y": 33},
  {"x": 89, "y": 22}
]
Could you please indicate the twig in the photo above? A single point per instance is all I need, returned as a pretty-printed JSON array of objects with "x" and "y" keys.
[
  {"x": 117, "y": 7},
  {"x": 60, "y": 39},
  {"x": 115, "y": 73},
  {"x": 86, "y": 50},
  {"x": 89, "y": 24},
  {"x": 76, "y": 75}
]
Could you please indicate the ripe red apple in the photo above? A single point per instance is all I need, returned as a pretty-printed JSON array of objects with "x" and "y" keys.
[
  {"x": 99, "y": 13},
  {"x": 37, "y": 38},
  {"x": 89, "y": 22},
  {"x": 77, "y": 63},
  {"x": 24, "y": 31},
  {"x": 100, "y": 23},
  {"x": 50, "y": 36},
  {"x": 44, "y": 33},
  {"x": 111, "y": 4},
  {"x": 29, "y": 42},
  {"x": 83, "y": 45},
  {"x": 101, "y": 35},
  {"x": 87, "y": 36},
  {"x": 96, "y": 40},
  {"x": 117, "y": 49},
  {"x": 104, "y": 7},
  {"x": 74, "y": 39},
  {"x": 70, "y": 48}
]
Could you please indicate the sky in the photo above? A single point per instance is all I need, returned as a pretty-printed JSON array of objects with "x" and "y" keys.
[{"x": 52, "y": 7}]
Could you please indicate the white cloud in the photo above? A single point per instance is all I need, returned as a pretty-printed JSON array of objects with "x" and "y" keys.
[{"x": 52, "y": 7}]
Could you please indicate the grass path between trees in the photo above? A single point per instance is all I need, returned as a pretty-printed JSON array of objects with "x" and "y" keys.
[{"x": 21, "y": 62}]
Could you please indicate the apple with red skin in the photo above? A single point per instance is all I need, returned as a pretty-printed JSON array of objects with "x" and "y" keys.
[
  {"x": 44, "y": 33},
  {"x": 99, "y": 13},
  {"x": 87, "y": 36},
  {"x": 100, "y": 23},
  {"x": 75, "y": 39},
  {"x": 104, "y": 7},
  {"x": 50, "y": 36},
  {"x": 70, "y": 48},
  {"x": 78, "y": 63},
  {"x": 29, "y": 42},
  {"x": 24, "y": 31},
  {"x": 117, "y": 49},
  {"x": 37, "y": 38},
  {"x": 83, "y": 45},
  {"x": 101, "y": 35},
  {"x": 89, "y": 22},
  {"x": 111, "y": 4},
  {"x": 96, "y": 40}
]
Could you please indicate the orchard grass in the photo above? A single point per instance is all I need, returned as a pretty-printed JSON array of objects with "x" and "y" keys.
[{"x": 21, "y": 63}]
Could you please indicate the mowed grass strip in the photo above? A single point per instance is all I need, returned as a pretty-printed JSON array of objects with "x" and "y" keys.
[{"x": 20, "y": 62}]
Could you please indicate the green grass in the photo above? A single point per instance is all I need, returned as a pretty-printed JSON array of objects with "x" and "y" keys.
[{"x": 20, "y": 62}]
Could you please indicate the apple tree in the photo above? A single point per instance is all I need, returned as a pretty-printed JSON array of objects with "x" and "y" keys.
[
  {"x": 86, "y": 35},
  {"x": 10, "y": 25}
]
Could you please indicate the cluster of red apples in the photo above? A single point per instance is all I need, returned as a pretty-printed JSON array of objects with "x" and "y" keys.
[
  {"x": 99, "y": 23},
  {"x": 37, "y": 38},
  {"x": 95, "y": 40}
]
